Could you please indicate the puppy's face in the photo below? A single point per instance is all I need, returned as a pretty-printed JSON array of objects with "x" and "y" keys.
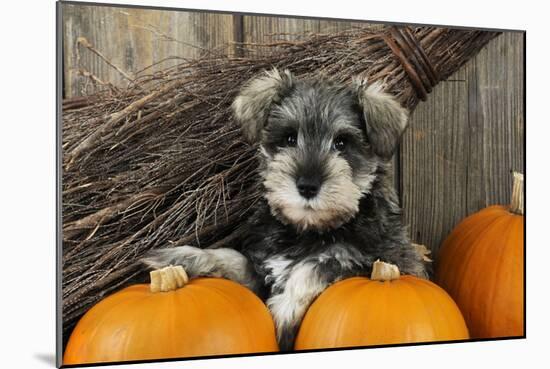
[
  {"x": 317, "y": 162},
  {"x": 320, "y": 151}
]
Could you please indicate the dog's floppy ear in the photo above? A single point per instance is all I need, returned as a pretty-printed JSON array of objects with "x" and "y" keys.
[
  {"x": 385, "y": 118},
  {"x": 251, "y": 107}
]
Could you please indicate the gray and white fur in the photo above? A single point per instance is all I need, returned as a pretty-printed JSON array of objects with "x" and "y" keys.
[{"x": 328, "y": 210}]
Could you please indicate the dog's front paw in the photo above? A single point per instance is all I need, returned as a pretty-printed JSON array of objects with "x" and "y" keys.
[{"x": 183, "y": 255}]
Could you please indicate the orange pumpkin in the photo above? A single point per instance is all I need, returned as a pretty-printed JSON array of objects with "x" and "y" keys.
[
  {"x": 481, "y": 266},
  {"x": 386, "y": 309},
  {"x": 207, "y": 316}
]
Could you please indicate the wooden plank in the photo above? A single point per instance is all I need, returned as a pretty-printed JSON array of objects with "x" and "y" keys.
[
  {"x": 433, "y": 157},
  {"x": 133, "y": 39},
  {"x": 328, "y": 26},
  {"x": 496, "y": 121},
  {"x": 266, "y": 29},
  {"x": 463, "y": 142},
  {"x": 238, "y": 35}
]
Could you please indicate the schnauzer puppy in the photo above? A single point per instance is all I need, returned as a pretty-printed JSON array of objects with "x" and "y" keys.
[{"x": 328, "y": 209}]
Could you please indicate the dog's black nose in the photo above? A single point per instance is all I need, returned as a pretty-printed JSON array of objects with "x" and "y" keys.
[{"x": 308, "y": 187}]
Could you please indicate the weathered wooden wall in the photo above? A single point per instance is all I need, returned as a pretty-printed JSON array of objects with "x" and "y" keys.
[
  {"x": 454, "y": 159},
  {"x": 464, "y": 141}
]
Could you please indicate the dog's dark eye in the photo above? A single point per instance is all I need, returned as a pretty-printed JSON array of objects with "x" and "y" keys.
[
  {"x": 339, "y": 143},
  {"x": 291, "y": 140}
]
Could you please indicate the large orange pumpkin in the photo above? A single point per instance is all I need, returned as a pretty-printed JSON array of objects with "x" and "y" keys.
[
  {"x": 207, "y": 316},
  {"x": 386, "y": 309},
  {"x": 481, "y": 266}
]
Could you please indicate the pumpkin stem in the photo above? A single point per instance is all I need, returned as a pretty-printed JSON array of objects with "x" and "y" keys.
[
  {"x": 384, "y": 271},
  {"x": 168, "y": 279},
  {"x": 516, "y": 205}
]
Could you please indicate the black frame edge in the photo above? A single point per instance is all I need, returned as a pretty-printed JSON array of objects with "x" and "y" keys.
[{"x": 58, "y": 192}]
